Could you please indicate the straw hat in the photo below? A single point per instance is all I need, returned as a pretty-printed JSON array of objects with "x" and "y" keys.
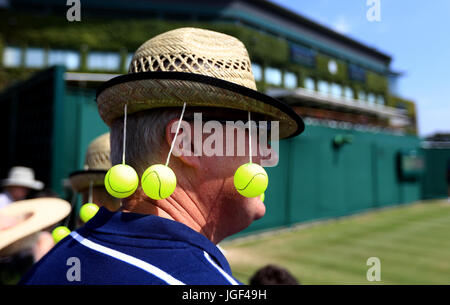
[
  {"x": 36, "y": 215},
  {"x": 22, "y": 176},
  {"x": 96, "y": 165},
  {"x": 196, "y": 66}
]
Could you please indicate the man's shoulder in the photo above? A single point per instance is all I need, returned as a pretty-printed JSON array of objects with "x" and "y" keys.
[{"x": 91, "y": 259}]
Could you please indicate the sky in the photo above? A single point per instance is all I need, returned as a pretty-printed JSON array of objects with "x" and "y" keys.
[{"x": 415, "y": 33}]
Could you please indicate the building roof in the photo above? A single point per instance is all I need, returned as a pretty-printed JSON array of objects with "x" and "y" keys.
[
  {"x": 301, "y": 20},
  {"x": 261, "y": 14}
]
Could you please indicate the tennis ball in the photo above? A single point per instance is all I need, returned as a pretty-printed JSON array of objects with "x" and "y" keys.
[
  {"x": 251, "y": 180},
  {"x": 263, "y": 196},
  {"x": 158, "y": 181},
  {"x": 121, "y": 181},
  {"x": 59, "y": 233},
  {"x": 88, "y": 211}
]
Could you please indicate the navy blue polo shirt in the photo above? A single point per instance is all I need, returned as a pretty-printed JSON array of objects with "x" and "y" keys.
[{"x": 128, "y": 248}]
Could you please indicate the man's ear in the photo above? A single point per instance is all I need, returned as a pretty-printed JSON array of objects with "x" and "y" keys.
[{"x": 183, "y": 148}]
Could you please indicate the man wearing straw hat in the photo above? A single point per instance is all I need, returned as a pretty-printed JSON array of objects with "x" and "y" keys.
[
  {"x": 89, "y": 182},
  {"x": 18, "y": 184},
  {"x": 173, "y": 240}
]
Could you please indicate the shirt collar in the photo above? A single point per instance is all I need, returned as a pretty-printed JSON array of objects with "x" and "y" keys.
[
  {"x": 9, "y": 196},
  {"x": 152, "y": 227}
]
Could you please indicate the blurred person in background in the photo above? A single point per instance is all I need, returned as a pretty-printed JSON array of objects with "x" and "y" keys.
[
  {"x": 273, "y": 275},
  {"x": 18, "y": 185},
  {"x": 23, "y": 236},
  {"x": 89, "y": 182}
]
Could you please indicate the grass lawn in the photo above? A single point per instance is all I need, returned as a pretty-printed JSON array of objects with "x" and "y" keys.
[{"x": 411, "y": 241}]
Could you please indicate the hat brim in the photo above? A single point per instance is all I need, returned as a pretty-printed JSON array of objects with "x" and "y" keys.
[
  {"x": 43, "y": 212},
  {"x": 35, "y": 185},
  {"x": 80, "y": 180},
  {"x": 148, "y": 90}
]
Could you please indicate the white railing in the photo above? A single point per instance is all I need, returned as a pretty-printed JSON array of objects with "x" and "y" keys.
[{"x": 342, "y": 102}]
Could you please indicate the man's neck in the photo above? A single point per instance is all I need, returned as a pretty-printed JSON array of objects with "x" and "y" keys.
[{"x": 180, "y": 206}]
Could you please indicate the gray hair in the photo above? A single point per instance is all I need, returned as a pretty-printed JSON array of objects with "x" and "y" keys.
[{"x": 145, "y": 137}]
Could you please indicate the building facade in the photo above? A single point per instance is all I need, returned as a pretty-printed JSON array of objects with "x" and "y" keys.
[
  {"x": 324, "y": 75},
  {"x": 359, "y": 149}
]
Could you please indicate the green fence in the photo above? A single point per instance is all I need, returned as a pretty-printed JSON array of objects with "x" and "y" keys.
[
  {"x": 315, "y": 180},
  {"x": 434, "y": 179},
  {"x": 81, "y": 123},
  {"x": 48, "y": 126},
  {"x": 27, "y": 123}
]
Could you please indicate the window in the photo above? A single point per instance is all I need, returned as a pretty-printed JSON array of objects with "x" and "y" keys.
[
  {"x": 290, "y": 80},
  {"x": 336, "y": 90},
  {"x": 103, "y": 61},
  {"x": 34, "y": 58},
  {"x": 128, "y": 60},
  {"x": 323, "y": 87},
  {"x": 273, "y": 76},
  {"x": 12, "y": 56},
  {"x": 309, "y": 84},
  {"x": 371, "y": 98},
  {"x": 257, "y": 72},
  {"x": 348, "y": 93},
  {"x": 70, "y": 59},
  {"x": 380, "y": 100},
  {"x": 302, "y": 55},
  {"x": 356, "y": 73},
  {"x": 332, "y": 67},
  {"x": 361, "y": 95}
]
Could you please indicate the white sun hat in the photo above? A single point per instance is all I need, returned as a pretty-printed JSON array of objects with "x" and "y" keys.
[
  {"x": 22, "y": 176},
  {"x": 28, "y": 217}
]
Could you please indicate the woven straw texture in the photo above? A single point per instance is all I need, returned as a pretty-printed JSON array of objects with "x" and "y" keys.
[
  {"x": 196, "y": 51},
  {"x": 97, "y": 155},
  {"x": 189, "y": 50}
]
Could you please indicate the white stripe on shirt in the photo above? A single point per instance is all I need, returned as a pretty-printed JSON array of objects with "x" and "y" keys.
[
  {"x": 127, "y": 259},
  {"x": 226, "y": 275}
]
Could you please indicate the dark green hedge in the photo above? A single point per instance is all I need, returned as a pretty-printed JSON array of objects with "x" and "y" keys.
[
  {"x": 127, "y": 35},
  {"x": 410, "y": 106}
]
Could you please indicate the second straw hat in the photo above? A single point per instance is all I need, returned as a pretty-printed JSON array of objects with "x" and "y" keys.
[{"x": 97, "y": 163}]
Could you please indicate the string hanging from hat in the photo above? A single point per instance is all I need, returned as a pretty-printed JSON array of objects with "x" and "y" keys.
[
  {"x": 159, "y": 181},
  {"x": 90, "y": 191},
  {"x": 250, "y": 179},
  {"x": 250, "y": 136},
  {"x": 121, "y": 180},
  {"x": 124, "y": 133},
  {"x": 175, "y": 137}
]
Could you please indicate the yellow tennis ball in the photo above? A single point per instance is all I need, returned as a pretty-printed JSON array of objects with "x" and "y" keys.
[
  {"x": 88, "y": 211},
  {"x": 251, "y": 180},
  {"x": 158, "y": 181},
  {"x": 263, "y": 196},
  {"x": 121, "y": 181},
  {"x": 59, "y": 233}
]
